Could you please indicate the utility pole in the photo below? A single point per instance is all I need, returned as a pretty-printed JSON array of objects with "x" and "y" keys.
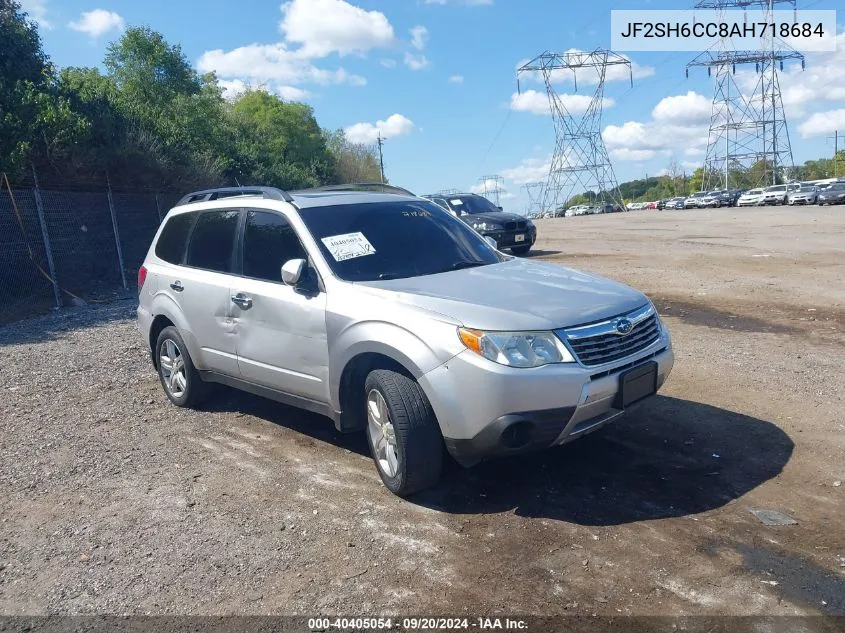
[
  {"x": 381, "y": 157},
  {"x": 836, "y": 136}
]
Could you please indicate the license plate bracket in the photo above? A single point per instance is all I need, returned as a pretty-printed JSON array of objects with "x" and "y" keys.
[
  {"x": 520, "y": 238},
  {"x": 636, "y": 384}
]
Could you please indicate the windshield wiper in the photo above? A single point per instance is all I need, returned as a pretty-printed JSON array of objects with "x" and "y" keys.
[
  {"x": 465, "y": 264},
  {"x": 393, "y": 275}
]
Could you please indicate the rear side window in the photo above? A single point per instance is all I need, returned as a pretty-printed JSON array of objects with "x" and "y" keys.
[
  {"x": 171, "y": 243},
  {"x": 269, "y": 242},
  {"x": 212, "y": 241}
]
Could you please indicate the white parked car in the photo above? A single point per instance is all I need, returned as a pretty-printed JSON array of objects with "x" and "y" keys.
[{"x": 751, "y": 198}]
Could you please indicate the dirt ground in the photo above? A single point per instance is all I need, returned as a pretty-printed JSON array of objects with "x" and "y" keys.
[{"x": 113, "y": 501}]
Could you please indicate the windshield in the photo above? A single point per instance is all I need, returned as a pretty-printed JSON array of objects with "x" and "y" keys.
[
  {"x": 472, "y": 204},
  {"x": 699, "y": 194},
  {"x": 395, "y": 240},
  {"x": 777, "y": 188},
  {"x": 753, "y": 192}
]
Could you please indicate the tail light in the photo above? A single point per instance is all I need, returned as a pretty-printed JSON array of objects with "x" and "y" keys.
[{"x": 142, "y": 277}]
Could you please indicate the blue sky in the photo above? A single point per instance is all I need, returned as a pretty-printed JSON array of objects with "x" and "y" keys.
[{"x": 437, "y": 77}]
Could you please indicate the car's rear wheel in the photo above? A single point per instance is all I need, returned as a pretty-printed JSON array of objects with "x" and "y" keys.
[
  {"x": 180, "y": 379},
  {"x": 521, "y": 250},
  {"x": 402, "y": 432}
]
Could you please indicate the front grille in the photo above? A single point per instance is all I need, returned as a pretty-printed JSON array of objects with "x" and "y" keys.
[
  {"x": 608, "y": 347},
  {"x": 516, "y": 226}
]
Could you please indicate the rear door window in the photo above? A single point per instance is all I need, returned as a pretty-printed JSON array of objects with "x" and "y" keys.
[
  {"x": 212, "y": 240},
  {"x": 174, "y": 236}
]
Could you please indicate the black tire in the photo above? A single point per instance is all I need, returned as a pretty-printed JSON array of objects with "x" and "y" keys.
[
  {"x": 419, "y": 443},
  {"x": 195, "y": 389},
  {"x": 521, "y": 250}
]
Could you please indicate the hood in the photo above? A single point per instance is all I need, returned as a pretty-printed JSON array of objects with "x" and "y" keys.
[
  {"x": 517, "y": 294},
  {"x": 496, "y": 217}
]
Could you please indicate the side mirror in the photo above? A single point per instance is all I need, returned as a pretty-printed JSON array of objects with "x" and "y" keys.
[
  {"x": 292, "y": 271},
  {"x": 500, "y": 208},
  {"x": 491, "y": 242}
]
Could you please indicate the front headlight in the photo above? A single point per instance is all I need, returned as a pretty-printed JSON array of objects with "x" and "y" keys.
[
  {"x": 516, "y": 349},
  {"x": 485, "y": 226}
]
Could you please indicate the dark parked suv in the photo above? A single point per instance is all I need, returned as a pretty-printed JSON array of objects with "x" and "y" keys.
[{"x": 510, "y": 230}]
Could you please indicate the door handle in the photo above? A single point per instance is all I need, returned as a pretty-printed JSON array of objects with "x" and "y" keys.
[
  {"x": 177, "y": 286},
  {"x": 242, "y": 301}
]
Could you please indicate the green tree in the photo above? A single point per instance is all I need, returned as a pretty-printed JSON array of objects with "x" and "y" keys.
[
  {"x": 352, "y": 162},
  {"x": 279, "y": 143},
  {"x": 30, "y": 113}
]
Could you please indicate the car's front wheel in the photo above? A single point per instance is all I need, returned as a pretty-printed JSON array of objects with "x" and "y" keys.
[
  {"x": 402, "y": 432},
  {"x": 521, "y": 250},
  {"x": 180, "y": 379}
]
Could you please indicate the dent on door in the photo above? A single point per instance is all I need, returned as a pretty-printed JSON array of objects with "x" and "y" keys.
[{"x": 281, "y": 339}]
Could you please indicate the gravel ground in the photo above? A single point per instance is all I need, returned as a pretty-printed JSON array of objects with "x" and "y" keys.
[{"x": 113, "y": 501}]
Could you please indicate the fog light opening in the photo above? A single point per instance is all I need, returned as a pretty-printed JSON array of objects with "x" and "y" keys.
[{"x": 517, "y": 435}]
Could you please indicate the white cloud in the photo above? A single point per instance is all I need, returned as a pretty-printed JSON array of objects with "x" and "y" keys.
[
  {"x": 271, "y": 63},
  {"x": 416, "y": 62},
  {"x": 689, "y": 108},
  {"x": 823, "y": 123},
  {"x": 823, "y": 80},
  {"x": 313, "y": 29},
  {"x": 637, "y": 155},
  {"x": 234, "y": 88},
  {"x": 98, "y": 22},
  {"x": 37, "y": 12},
  {"x": 292, "y": 93},
  {"x": 639, "y": 141},
  {"x": 537, "y": 102},
  {"x": 367, "y": 133},
  {"x": 323, "y": 27},
  {"x": 456, "y": 79},
  {"x": 419, "y": 37},
  {"x": 679, "y": 126},
  {"x": 529, "y": 170}
]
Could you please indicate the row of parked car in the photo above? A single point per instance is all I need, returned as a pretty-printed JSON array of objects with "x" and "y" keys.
[{"x": 795, "y": 193}]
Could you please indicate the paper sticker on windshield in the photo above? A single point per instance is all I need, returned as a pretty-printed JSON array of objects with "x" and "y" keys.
[
  {"x": 348, "y": 246},
  {"x": 457, "y": 202}
]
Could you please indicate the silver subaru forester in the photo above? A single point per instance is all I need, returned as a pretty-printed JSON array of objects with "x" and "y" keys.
[{"x": 385, "y": 313}]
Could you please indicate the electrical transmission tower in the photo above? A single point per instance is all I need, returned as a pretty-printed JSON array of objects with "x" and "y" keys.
[
  {"x": 534, "y": 192},
  {"x": 580, "y": 162},
  {"x": 748, "y": 141},
  {"x": 492, "y": 187}
]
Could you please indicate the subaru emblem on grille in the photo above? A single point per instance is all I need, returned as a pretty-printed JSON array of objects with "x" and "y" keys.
[{"x": 624, "y": 326}]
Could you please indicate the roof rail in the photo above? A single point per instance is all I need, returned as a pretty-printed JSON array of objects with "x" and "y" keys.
[
  {"x": 269, "y": 193},
  {"x": 362, "y": 186}
]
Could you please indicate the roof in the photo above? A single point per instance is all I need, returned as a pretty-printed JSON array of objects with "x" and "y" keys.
[
  {"x": 305, "y": 199},
  {"x": 309, "y": 200}
]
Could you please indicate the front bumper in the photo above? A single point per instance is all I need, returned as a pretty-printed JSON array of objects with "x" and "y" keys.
[
  {"x": 831, "y": 200},
  {"x": 508, "y": 239},
  {"x": 803, "y": 200},
  {"x": 488, "y": 410}
]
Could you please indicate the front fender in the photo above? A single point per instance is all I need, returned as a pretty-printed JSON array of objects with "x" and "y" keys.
[{"x": 392, "y": 341}]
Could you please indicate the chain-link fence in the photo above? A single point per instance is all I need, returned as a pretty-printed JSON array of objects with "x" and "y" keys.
[{"x": 61, "y": 246}]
